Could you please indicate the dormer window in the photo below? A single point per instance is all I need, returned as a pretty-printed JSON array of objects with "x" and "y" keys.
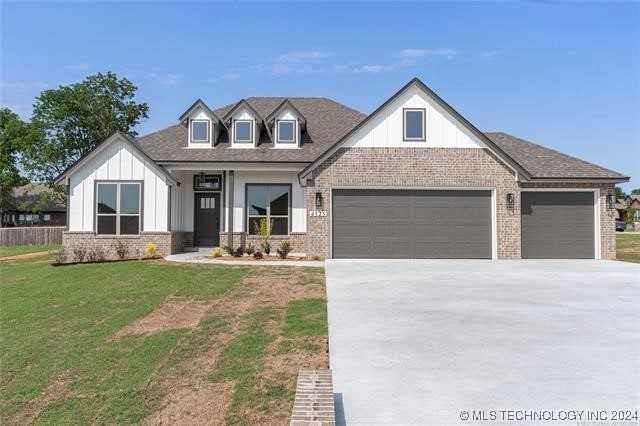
[
  {"x": 243, "y": 131},
  {"x": 200, "y": 131},
  {"x": 413, "y": 125},
  {"x": 286, "y": 131}
]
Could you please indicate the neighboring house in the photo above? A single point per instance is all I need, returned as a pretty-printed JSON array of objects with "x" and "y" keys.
[
  {"x": 20, "y": 211},
  {"x": 633, "y": 201},
  {"x": 412, "y": 179},
  {"x": 621, "y": 209}
]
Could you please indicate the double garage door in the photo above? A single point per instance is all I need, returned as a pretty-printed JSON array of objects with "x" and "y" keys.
[
  {"x": 411, "y": 224},
  {"x": 371, "y": 223}
]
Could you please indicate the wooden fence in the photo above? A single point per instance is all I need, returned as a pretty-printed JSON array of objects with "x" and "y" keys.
[{"x": 34, "y": 235}]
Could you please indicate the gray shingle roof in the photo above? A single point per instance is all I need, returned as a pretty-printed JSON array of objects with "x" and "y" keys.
[
  {"x": 546, "y": 163},
  {"x": 327, "y": 122}
]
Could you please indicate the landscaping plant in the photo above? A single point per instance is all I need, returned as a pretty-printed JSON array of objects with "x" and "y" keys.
[
  {"x": 227, "y": 249},
  {"x": 258, "y": 255},
  {"x": 284, "y": 250},
  {"x": 238, "y": 252},
  {"x": 216, "y": 253},
  {"x": 263, "y": 230},
  {"x": 250, "y": 249},
  {"x": 79, "y": 253},
  {"x": 98, "y": 254},
  {"x": 121, "y": 249},
  {"x": 59, "y": 256},
  {"x": 150, "y": 249}
]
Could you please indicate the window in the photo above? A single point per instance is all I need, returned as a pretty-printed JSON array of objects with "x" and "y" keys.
[
  {"x": 286, "y": 131},
  {"x": 270, "y": 202},
  {"x": 243, "y": 131},
  {"x": 414, "y": 125},
  {"x": 118, "y": 208},
  {"x": 47, "y": 218},
  {"x": 200, "y": 131},
  {"x": 206, "y": 182}
]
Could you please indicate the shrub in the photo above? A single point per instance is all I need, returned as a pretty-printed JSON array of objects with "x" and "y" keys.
[
  {"x": 238, "y": 252},
  {"x": 216, "y": 253},
  {"x": 266, "y": 247},
  {"x": 258, "y": 255},
  {"x": 79, "y": 253},
  {"x": 121, "y": 249},
  {"x": 98, "y": 254},
  {"x": 284, "y": 250},
  {"x": 316, "y": 257},
  {"x": 59, "y": 256},
  {"x": 227, "y": 249},
  {"x": 150, "y": 249},
  {"x": 250, "y": 249}
]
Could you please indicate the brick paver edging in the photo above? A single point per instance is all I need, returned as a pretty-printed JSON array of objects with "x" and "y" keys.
[{"x": 314, "y": 405}]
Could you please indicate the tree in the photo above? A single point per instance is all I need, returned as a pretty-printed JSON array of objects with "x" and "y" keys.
[
  {"x": 619, "y": 193},
  {"x": 15, "y": 134},
  {"x": 635, "y": 191},
  {"x": 73, "y": 119}
]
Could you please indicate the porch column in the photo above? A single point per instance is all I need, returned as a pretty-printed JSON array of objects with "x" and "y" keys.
[{"x": 231, "y": 193}]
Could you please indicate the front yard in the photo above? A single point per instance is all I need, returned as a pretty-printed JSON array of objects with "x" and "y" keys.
[
  {"x": 628, "y": 247},
  {"x": 152, "y": 342}
]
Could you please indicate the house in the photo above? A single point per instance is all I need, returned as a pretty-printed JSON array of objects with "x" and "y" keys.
[
  {"x": 21, "y": 208},
  {"x": 414, "y": 179},
  {"x": 633, "y": 201}
]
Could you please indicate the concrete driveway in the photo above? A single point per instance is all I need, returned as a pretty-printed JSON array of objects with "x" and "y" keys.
[{"x": 424, "y": 341}]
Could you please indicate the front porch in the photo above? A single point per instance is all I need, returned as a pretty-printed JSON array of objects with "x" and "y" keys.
[{"x": 217, "y": 207}]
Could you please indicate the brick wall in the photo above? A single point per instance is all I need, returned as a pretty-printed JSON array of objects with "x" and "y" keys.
[
  {"x": 313, "y": 404},
  {"x": 166, "y": 242},
  {"x": 416, "y": 168}
]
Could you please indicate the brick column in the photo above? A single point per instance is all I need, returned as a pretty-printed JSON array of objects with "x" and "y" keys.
[{"x": 314, "y": 404}]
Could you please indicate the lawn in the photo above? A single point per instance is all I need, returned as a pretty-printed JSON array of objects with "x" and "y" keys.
[
  {"x": 154, "y": 342},
  {"x": 14, "y": 251},
  {"x": 628, "y": 247}
]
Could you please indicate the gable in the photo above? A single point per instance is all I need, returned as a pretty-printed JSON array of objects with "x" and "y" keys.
[{"x": 385, "y": 128}]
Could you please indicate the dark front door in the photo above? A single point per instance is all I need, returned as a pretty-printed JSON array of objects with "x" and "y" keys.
[
  {"x": 375, "y": 223},
  {"x": 207, "y": 219}
]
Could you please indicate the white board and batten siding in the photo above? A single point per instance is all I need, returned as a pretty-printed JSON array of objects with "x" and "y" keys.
[
  {"x": 118, "y": 161},
  {"x": 385, "y": 129}
]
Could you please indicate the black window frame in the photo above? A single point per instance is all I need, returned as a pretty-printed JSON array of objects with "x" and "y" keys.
[
  {"x": 404, "y": 124},
  {"x": 200, "y": 141},
  {"x": 196, "y": 187},
  {"x": 248, "y": 216},
  {"x": 117, "y": 214}
]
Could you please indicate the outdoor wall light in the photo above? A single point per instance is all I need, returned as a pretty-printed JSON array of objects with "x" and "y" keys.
[
  {"x": 319, "y": 200},
  {"x": 610, "y": 203},
  {"x": 511, "y": 201}
]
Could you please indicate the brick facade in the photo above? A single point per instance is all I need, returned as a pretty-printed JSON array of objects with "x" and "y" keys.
[{"x": 166, "y": 243}]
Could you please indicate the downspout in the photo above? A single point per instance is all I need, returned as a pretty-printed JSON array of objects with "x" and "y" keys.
[{"x": 231, "y": 191}]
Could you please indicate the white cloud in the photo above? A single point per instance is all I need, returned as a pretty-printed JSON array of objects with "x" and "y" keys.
[
  {"x": 302, "y": 56},
  {"x": 231, "y": 76},
  {"x": 165, "y": 78},
  {"x": 281, "y": 69},
  {"x": 372, "y": 69},
  {"x": 419, "y": 53},
  {"x": 490, "y": 54}
]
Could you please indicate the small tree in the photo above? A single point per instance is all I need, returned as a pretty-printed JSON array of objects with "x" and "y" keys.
[
  {"x": 619, "y": 193},
  {"x": 631, "y": 214},
  {"x": 263, "y": 229},
  {"x": 635, "y": 191}
]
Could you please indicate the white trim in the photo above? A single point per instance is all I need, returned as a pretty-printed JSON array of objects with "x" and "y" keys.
[
  {"x": 494, "y": 227},
  {"x": 596, "y": 212},
  {"x": 236, "y": 141},
  {"x": 406, "y": 138},
  {"x": 293, "y": 141},
  {"x": 287, "y": 167}
]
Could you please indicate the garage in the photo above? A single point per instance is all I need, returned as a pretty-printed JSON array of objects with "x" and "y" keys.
[
  {"x": 434, "y": 224},
  {"x": 558, "y": 225}
]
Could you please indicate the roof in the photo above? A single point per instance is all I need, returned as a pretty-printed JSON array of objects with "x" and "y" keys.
[
  {"x": 546, "y": 163},
  {"x": 112, "y": 137},
  {"x": 327, "y": 122},
  {"x": 31, "y": 193}
]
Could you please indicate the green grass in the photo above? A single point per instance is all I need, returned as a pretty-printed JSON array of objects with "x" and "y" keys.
[
  {"x": 306, "y": 317},
  {"x": 59, "y": 322},
  {"x": 628, "y": 247},
  {"x": 14, "y": 251}
]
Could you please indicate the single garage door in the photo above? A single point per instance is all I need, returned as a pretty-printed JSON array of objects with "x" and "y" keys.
[
  {"x": 411, "y": 224},
  {"x": 557, "y": 225}
]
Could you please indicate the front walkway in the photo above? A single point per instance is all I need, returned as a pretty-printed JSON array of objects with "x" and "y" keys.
[
  {"x": 425, "y": 342},
  {"x": 200, "y": 256}
]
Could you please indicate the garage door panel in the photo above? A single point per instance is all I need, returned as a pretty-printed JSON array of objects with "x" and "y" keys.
[
  {"x": 557, "y": 225},
  {"x": 414, "y": 224}
]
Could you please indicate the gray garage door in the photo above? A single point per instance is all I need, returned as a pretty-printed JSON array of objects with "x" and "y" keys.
[
  {"x": 411, "y": 224},
  {"x": 557, "y": 225}
]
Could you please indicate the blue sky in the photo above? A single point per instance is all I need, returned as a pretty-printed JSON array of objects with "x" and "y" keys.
[{"x": 565, "y": 75}]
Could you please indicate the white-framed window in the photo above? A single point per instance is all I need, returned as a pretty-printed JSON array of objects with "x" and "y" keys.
[
  {"x": 286, "y": 131},
  {"x": 243, "y": 131},
  {"x": 47, "y": 218},
  {"x": 413, "y": 124},
  {"x": 270, "y": 202},
  {"x": 200, "y": 131},
  {"x": 118, "y": 206}
]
